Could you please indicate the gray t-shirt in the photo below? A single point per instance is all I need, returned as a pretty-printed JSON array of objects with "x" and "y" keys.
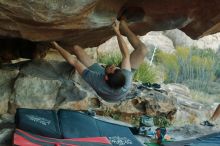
[{"x": 94, "y": 76}]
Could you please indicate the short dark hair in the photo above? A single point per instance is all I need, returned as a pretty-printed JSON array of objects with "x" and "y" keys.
[{"x": 116, "y": 80}]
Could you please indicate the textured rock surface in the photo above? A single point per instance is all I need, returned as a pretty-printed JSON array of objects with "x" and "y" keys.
[
  {"x": 152, "y": 39},
  {"x": 33, "y": 92},
  {"x": 158, "y": 40},
  {"x": 39, "y": 85},
  {"x": 89, "y": 22},
  {"x": 6, "y": 136},
  {"x": 179, "y": 38},
  {"x": 6, "y": 129},
  {"x": 149, "y": 102},
  {"x": 6, "y": 83},
  {"x": 166, "y": 41}
]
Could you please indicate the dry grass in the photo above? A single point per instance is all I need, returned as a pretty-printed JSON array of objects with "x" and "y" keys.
[{"x": 205, "y": 98}]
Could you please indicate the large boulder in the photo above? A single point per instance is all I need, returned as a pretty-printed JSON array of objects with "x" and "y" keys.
[
  {"x": 159, "y": 41},
  {"x": 179, "y": 38}
]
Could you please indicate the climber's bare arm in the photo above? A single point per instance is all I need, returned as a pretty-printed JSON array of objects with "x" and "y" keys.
[
  {"x": 69, "y": 58},
  {"x": 123, "y": 47}
]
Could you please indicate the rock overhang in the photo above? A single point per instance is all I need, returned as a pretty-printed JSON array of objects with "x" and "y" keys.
[{"x": 88, "y": 22}]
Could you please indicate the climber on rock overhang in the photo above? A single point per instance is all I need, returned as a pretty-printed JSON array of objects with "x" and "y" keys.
[{"x": 110, "y": 83}]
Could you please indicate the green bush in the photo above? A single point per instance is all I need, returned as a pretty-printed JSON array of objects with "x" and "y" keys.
[
  {"x": 111, "y": 58},
  {"x": 217, "y": 67},
  {"x": 203, "y": 62},
  {"x": 204, "y": 97},
  {"x": 217, "y": 73},
  {"x": 145, "y": 73},
  {"x": 170, "y": 65},
  {"x": 190, "y": 64},
  {"x": 208, "y": 87},
  {"x": 161, "y": 121}
]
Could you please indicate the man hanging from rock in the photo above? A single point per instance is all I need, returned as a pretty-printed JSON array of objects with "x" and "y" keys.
[{"x": 110, "y": 83}]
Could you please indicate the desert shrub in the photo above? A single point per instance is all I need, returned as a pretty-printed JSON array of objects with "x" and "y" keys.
[
  {"x": 198, "y": 68},
  {"x": 188, "y": 63},
  {"x": 204, "y": 97},
  {"x": 208, "y": 87},
  {"x": 194, "y": 64},
  {"x": 217, "y": 67},
  {"x": 183, "y": 60},
  {"x": 110, "y": 58},
  {"x": 145, "y": 73},
  {"x": 204, "y": 64},
  {"x": 170, "y": 65},
  {"x": 161, "y": 121},
  {"x": 213, "y": 88}
]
